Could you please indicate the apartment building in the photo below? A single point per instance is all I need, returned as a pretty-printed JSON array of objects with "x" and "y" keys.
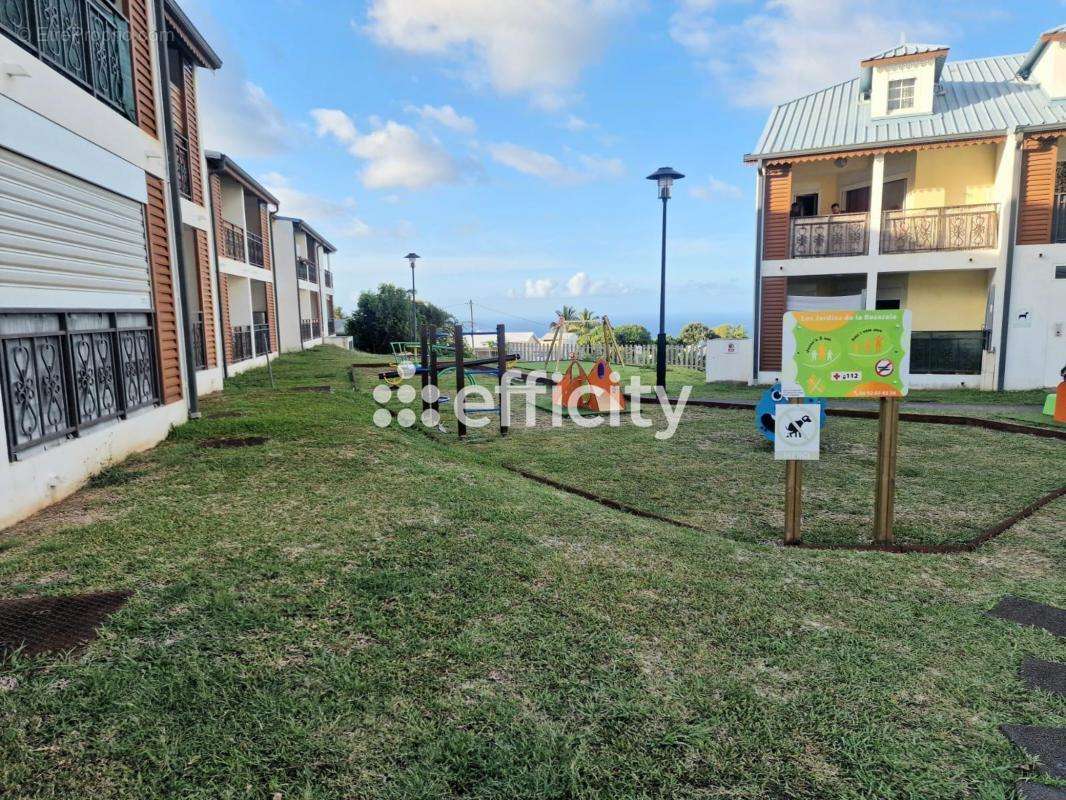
[
  {"x": 242, "y": 210},
  {"x": 305, "y": 284},
  {"x": 930, "y": 185},
  {"x": 92, "y": 330}
]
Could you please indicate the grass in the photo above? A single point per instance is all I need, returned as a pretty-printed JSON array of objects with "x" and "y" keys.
[{"x": 364, "y": 613}]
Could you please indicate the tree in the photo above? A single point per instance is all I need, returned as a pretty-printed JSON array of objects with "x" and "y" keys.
[
  {"x": 586, "y": 320},
  {"x": 632, "y": 334},
  {"x": 696, "y": 332},
  {"x": 728, "y": 331},
  {"x": 338, "y": 312},
  {"x": 384, "y": 316}
]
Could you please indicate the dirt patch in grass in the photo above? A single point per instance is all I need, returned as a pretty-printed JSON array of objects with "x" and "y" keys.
[
  {"x": 87, "y": 507},
  {"x": 37, "y": 625},
  {"x": 235, "y": 443}
]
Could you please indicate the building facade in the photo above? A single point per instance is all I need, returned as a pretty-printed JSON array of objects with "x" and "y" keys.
[
  {"x": 92, "y": 344},
  {"x": 928, "y": 185},
  {"x": 305, "y": 285},
  {"x": 242, "y": 210}
]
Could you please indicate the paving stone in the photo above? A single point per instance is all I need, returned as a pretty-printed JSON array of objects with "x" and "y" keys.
[
  {"x": 1037, "y": 791},
  {"x": 1046, "y": 745},
  {"x": 1049, "y": 676},
  {"x": 1027, "y": 612}
]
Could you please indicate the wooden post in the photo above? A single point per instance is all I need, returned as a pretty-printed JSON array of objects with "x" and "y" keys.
[
  {"x": 501, "y": 368},
  {"x": 793, "y": 498},
  {"x": 433, "y": 379},
  {"x": 887, "y": 447},
  {"x": 460, "y": 378},
  {"x": 423, "y": 361}
]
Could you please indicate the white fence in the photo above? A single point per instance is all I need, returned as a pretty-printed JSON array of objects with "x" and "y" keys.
[{"x": 636, "y": 355}]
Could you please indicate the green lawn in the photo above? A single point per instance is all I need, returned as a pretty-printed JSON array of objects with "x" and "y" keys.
[{"x": 364, "y": 613}]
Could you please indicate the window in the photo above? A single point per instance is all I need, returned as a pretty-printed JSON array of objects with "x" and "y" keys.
[
  {"x": 808, "y": 205},
  {"x": 1060, "y": 273},
  {"x": 900, "y": 95},
  {"x": 946, "y": 352}
]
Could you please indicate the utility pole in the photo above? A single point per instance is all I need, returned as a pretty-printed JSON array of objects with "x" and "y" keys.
[{"x": 472, "y": 328}]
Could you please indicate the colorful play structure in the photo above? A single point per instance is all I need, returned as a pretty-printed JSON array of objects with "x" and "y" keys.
[
  {"x": 766, "y": 411},
  {"x": 1055, "y": 405},
  {"x": 599, "y": 389}
]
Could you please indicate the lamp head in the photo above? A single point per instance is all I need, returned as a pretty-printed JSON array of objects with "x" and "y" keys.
[
  {"x": 412, "y": 257},
  {"x": 665, "y": 177}
]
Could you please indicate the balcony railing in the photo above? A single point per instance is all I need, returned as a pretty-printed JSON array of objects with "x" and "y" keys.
[
  {"x": 199, "y": 342},
  {"x": 1058, "y": 229},
  {"x": 332, "y": 326},
  {"x": 310, "y": 329},
  {"x": 86, "y": 40},
  {"x": 65, "y": 372},
  {"x": 306, "y": 270},
  {"x": 261, "y": 335},
  {"x": 947, "y": 352},
  {"x": 327, "y": 278},
  {"x": 974, "y": 227},
  {"x": 242, "y": 343},
  {"x": 181, "y": 165},
  {"x": 233, "y": 241},
  {"x": 835, "y": 235},
  {"x": 255, "y": 249}
]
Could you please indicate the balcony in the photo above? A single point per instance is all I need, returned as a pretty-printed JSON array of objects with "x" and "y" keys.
[
  {"x": 974, "y": 227},
  {"x": 182, "y": 165},
  {"x": 232, "y": 244},
  {"x": 825, "y": 236},
  {"x": 255, "y": 249},
  {"x": 199, "y": 342},
  {"x": 1058, "y": 227},
  {"x": 327, "y": 278},
  {"x": 242, "y": 344},
  {"x": 306, "y": 270},
  {"x": 310, "y": 329},
  {"x": 261, "y": 335},
  {"x": 86, "y": 40}
]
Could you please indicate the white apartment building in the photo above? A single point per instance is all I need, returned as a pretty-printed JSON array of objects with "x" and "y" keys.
[{"x": 305, "y": 284}]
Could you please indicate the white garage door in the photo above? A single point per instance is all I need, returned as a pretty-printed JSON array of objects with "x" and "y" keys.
[{"x": 65, "y": 243}]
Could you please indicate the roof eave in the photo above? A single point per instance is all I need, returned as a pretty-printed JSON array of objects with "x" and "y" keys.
[
  {"x": 205, "y": 54},
  {"x": 754, "y": 158},
  {"x": 236, "y": 171}
]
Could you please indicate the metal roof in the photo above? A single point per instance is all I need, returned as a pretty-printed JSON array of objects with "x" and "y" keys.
[
  {"x": 299, "y": 223},
  {"x": 978, "y": 97},
  {"x": 913, "y": 49}
]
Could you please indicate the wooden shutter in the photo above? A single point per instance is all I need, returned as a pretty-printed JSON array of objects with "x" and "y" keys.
[
  {"x": 141, "y": 40},
  {"x": 778, "y": 180},
  {"x": 163, "y": 292},
  {"x": 207, "y": 297},
  {"x": 192, "y": 130},
  {"x": 1039, "y": 157},
  {"x": 774, "y": 299},
  {"x": 227, "y": 328}
]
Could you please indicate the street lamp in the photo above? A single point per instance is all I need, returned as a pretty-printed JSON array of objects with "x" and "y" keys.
[
  {"x": 664, "y": 177},
  {"x": 413, "y": 257}
]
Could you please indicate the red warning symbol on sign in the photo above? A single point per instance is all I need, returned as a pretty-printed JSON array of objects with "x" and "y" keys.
[{"x": 885, "y": 367}]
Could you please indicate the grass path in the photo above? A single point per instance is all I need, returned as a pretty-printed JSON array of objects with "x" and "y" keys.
[{"x": 364, "y": 613}]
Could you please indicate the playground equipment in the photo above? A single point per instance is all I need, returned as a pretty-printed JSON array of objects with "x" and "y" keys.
[
  {"x": 612, "y": 351},
  {"x": 1055, "y": 407},
  {"x": 766, "y": 411},
  {"x": 605, "y": 395}
]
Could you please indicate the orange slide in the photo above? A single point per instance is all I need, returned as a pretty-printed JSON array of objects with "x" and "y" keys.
[{"x": 609, "y": 398}]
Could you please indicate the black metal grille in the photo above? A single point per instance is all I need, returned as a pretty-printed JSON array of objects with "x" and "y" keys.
[
  {"x": 947, "y": 352},
  {"x": 1058, "y": 229},
  {"x": 199, "y": 341},
  {"x": 836, "y": 235},
  {"x": 307, "y": 270},
  {"x": 181, "y": 164},
  {"x": 327, "y": 278},
  {"x": 86, "y": 40},
  {"x": 332, "y": 326},
  {"x": 232, "y": 241},
  {"x": 255, "y": 249},
  {"x": 242, "y": 343},
  {"x": 310, "y": 329},
  {"x": 63, "y": 372},
  {"x": 972, "y": 227},
  {"x": 261, "y": 334}
]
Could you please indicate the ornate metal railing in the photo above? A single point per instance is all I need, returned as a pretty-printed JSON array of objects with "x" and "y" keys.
[
  {"x": 947, "y": 352},
  {"x": 261, "y": 336},
  {"x": 255, "y": 249},
  {"x": 86, "y": 40},
  {"x": 835, "y": 235},
  {"x": 973, "y": 227},
  {"x": 199, "y": 342},
  {"x": 242, "y": 343},
  {"x": 1058, "y": 219},
  {"x": 181, "y": 164},
  {"x": 63, "y": 372},
  {"x": 233, "y": 242},
  {"x": 327, "y": 278}
]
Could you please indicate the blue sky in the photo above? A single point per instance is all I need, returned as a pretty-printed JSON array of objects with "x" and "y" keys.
[{"x": 507, "y": 141}]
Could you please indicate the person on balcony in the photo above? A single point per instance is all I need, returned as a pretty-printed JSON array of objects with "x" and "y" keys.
[{"x": 835, "y": 208}]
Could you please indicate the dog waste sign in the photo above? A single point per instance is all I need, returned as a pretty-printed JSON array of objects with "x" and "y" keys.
[
  {"x": 798, "y": 434},
  {"x": 856, "y": 354}
]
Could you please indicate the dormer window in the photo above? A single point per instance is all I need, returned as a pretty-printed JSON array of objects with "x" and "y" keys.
[{"x": 901, "y": 95}]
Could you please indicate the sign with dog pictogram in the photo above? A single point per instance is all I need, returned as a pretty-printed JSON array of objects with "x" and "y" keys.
[{"x": 798, "y": 433}]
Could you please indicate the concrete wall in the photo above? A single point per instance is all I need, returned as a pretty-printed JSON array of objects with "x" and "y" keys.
[
  {"x": 1050, "y": 70},
  {"x": 1036, "y": 333},
  {"x": 924, "y": 73},
  {"x": 285, "y": 276},
  {"x": 730, "y": 359},
  {"x": 953, "y": 176},
  {"x": 947, "y": 301}
]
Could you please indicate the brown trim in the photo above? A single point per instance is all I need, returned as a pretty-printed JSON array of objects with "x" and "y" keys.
[
  {"x": 177, "y": 28},
  {"x": 143, "y": 75},
  {"x": 1053, "y": 37},
  {"x": 905, "y": 59},
  {"x": 774, "y": 298},
  {"x": 776, "y": 207},
  {"x": 1037, "y": 194},
  {"x": 215, "y": 188},
  {"x": 886, "y": 149},
  {"x": 163, "y": 291},
  {"x": 192, "y": 132},
  {"x": 227, "y": 329},
  {"x": 207, "y": 296}
]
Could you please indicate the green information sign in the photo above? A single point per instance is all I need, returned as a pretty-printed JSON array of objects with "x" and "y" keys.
[{"x": 846, "y": 354}]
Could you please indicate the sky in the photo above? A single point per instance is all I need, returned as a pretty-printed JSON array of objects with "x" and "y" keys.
[{"x": 507, "y": 141}]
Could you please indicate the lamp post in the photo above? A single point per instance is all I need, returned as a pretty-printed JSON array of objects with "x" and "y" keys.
[
  {"x": 664, "y": 177},
  {"x": 413, "y": 257}
]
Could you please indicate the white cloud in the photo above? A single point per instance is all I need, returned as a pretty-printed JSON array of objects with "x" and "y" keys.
[
  {"x": 446, "y": 116},
  {"x": 786, "y": 48},
  {"x": 532, "y": 48},
  {"x": 714, "y": 189},
  {"x": 395, "y": 155},
  {"x": 578, "y": 285},
  {"x": 320, "y": 212},
  {"x": 576, "y": 124},
  {"x": 549, "y": 168},
  {"x": 238, "y": 116}
]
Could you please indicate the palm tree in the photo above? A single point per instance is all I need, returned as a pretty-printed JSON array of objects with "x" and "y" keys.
[
  {"x": 565, "y": 315},
  {"x": 586, "y": 320}
]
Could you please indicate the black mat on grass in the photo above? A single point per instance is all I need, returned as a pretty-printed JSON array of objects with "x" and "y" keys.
[
  {"x": 1037, "y": 791},
  {"x": 1050, "y": 676},
  {"x": 38, "y": 625},
  {"x": 1046, "y": 745},
  {"x": 1027, "y": 612}
]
